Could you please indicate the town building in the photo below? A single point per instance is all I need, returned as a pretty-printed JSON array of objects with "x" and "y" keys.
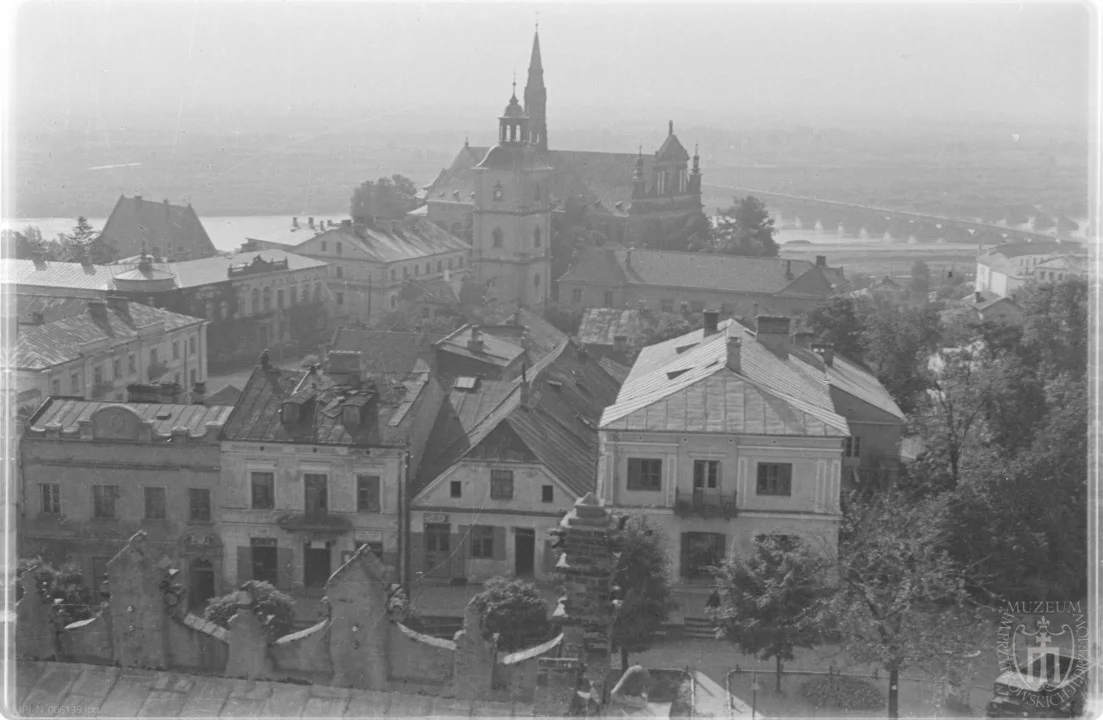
[
  {"x": 96, "y": 353},
  {"x": 628, "y": 197},
  {"x": 506, "y": 459},
  {"x": 47, "y": 278},
  {"x": 170, "y": 232},
  {"x": 724, "y": 434},
  {"x": 689, "y": 282},
  {"x": 613, "y": 333},
  {"x": 384, "y": 353},
  {"x": 1005, "y": 268},
  {"x": 497, "y": 351},
  {"x": 315, "y": 463},
  {"x": 94, "y": 473},
  {"x": 985, "y": 306},
  {"x": 372, "y": 261}
]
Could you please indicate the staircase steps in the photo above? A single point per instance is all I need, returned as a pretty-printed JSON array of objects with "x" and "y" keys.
[
  {"x": 441, "y": 626},
  {"x": 699, "y": 628}
]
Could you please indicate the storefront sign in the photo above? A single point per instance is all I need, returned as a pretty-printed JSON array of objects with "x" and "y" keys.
[
  {"x": 436, "y": 518},
  {"x": 369, "y": 536}
]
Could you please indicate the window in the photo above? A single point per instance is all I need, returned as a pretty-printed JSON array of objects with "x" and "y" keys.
[
  {"x": 323, "y": 246},
  {"x": 456, "y": 489},
  {"x": 199, "y": 504},
  {"x": 536, "y": 192},
  {"x": 706, "y": 474},
  {"x": 697, "y": 306},
  {"x": 103, "y": 500},
  {"x": 501, "y": 484},
  {"x": 51, "y": 498},
  {"x": 461, "y": 262},
  {"x": 279, "y": 299},
  {"x": 367, "y": 493},
  {"x": 428, "y": 268},
  {"x": 417, "y": 270},
  {"x": 316, "y": 493},
  {"x": 405, "y": 273},
  {"x": 264, "y": 490},
  {"x": 132, "y": 364},
  {"x": 701, "y": 551},
  {"x": 537, "y": 240},
  {"x": 306, "y": 293},
  {"x": 852, "y": 446},
  {"x": 267, "y": 299},
  {"x": 340, "y": 298},
  {"x": 449, "y": 263},
  {"x": 116, "y": 369},
  {"x": 497, "y": 236},
  {"x": 340, "y": 272},
  {"x": 97, "y": 374},
  {"x": 685, "y": 307},
  {"x": 547, "y": 494},
  {"x": 482, "y": 541},
  {"x": 293, "y": 296},
  {"x": 394, "y": 274},
  {"x": 394, "y": 301},
  {"x": 440, "y": 266},
  {"x": 255, "y": 298},
  {"x": 576, "y": 295},
  {"x": 536, "y": 281},
  {"x": 155, "y": 503},
  {"x": 175, "y": 350},
  {"x": 74, "y": 383},
  {"x": 608, "y": 298},
  {"x": 55, "y": 387},
  {"x": 645, "y": 474},
  {"x": 775, "y": 478},
  {"x": 338, "y": 248},
  {"x": 666, "y": 305}
]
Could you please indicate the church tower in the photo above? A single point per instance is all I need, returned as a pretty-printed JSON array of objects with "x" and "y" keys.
[
  {"x": 512, "y": 214},
  {"x": 536, "y": 97}
]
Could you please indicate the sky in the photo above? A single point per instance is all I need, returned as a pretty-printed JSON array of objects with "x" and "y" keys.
[{"x": 804, "y": 63}]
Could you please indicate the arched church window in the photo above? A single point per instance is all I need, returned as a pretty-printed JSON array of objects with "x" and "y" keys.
[
  {"x": 536, "y": 239},
  {"x": 497, "y": 234},
  {"x": 498, "y": 192}
]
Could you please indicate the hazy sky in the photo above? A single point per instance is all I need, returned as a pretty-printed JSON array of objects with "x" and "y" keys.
[{"x": 712, "y": 62}]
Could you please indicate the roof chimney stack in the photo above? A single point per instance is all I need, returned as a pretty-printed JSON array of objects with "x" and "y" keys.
[
  {"x": 735, "y": 348},
  {"x": 295, "y": 223},
  {"x": 821, "y": 261},
  {"x": 978, "y": 297},
  {"x": 119, "y": 303},
  {"x": 310, "y": 223},
  {"x": 825, "y": 351},
  {"x": 199, "y": 393},
  {"x": 773, "y": 332},
  {"x": 712, "y": 321},
  {"x": 620, "y": 344},
  {"x": 671, "y": 127},
  {"x": 98, "y": 310},
  {"x": 475, "y": 344},
  {"x": 788, "y": 269}
]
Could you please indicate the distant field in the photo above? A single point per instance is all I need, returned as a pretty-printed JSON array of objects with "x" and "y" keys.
[{"x": 881, "y": 258}]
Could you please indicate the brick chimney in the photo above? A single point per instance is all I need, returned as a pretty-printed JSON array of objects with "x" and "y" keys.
[
  {"x": 343, "y": 367},
  {"x": 821, "y": 261},
  {"x": 735, "y": 350},
  {"x": 825, "y": 351},
  {"x": 620, "y": 343},
  {"x": 978, "y": 297},
  {"x": 119, "y": 303},
  {"x": 475, "y": 344},
  {"x": 803, "y": 338},
  {"x": 773, "y": 332},
  {"x": 310, "y": 223},
  {"x": 712, "y": 320},
  {"x": 199, "y": 393},
  {"x": 98, "y": 310}
]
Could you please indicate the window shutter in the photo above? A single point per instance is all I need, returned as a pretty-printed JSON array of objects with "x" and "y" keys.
[
  {"x": 683, "y": 567},
  {"x": 244, "y": 565},
  {"x": 499, "y": 543},
  {"x": 283, "y": 568},
  {"x": 461, "y": 551}
]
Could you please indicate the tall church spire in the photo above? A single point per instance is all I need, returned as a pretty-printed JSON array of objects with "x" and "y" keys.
[{"x": 536, "y": 97}]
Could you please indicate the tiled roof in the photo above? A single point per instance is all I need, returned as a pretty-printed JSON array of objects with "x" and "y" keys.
[
  {"x": 568, "y": 393},
  {"x": 257, "y": 417},
  {"x": 616, "y": 371},
  {"x": 50, "y": 307},
  {"x": 684, "y": 384},
  {"x": 495, "y": 350},
  {"x": 104, "y": 691},
  {"x": 706, "y": 271},
  {"x": 62, "y": 275},
  {"x": 136, "y": 223},
  {"x": 290, "y": 236},
  {"x": 601, "y": 326},
  {"x": 61, "y": 341},
  {"x": 409, "y": 239},
  {"x": 67, "y": 412},
  {"x": 384, "y": 353},
  {"x": 850, "y": 378},
  {"x": 514, "y": 326}
]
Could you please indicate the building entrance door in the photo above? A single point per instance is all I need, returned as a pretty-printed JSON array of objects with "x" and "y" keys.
[
  {"x": 202, "y": 583},
  {"x": 438, "y": 550},
  {"x": 524, "y": 547},
  {"x": 265, "y": 560},
  {"x": 316, "y": 564}
]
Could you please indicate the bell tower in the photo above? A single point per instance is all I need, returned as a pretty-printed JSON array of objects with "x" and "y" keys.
[{"x": 512, "y": 214}]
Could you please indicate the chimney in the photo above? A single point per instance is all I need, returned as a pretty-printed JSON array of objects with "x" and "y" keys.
[
  {"x": 310, "y": 223},
  {"x": 119, "y": 303},
  {"x": 803, "y": 339},
  {"x": 199, "y": 393},
  {"x": 825, "y": 351},
  {"x": 475, "y": 344},
  {"x": 735, "y": 348},
  {"x": 788, "y": 269},
  {"x": 821, "y": 261},
  {"x": 343, "y": 367},
  {"x": 346, "y": 224},
  {"x": 295, "y": 223},
  {"x": 98, "y": 310},
  {"x": 773, "y": 332},
  {"x": 978, "y": 297},
  {"x": 671, "y": 127},
  {"x": 620, "y": 343},
  {"x": 526, "y": 388},
  {"x": 712, "y": 319},
  {"x": 168, "y": 392}
]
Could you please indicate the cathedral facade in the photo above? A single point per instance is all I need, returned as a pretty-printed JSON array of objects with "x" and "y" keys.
[{"x": 504, "y": 198}]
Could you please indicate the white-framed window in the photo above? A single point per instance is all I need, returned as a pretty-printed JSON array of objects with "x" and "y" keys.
[
  {"x": 852, "y": 446},
  {"x": 51, "y": 498}
]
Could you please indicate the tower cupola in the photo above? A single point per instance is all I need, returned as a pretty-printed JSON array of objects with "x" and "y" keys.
[{"x": 513, "y": 125}]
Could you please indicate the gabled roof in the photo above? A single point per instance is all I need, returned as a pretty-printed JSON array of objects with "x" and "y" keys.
[
  {"x": 226, "y": 396},
  {"x": 850, "y": 378},
  {"x": 136, "y": 223},
  {"x": 495, "y": 350},
  {"x": 49, "y": 307},
  {"x": 521, "y": 326},
  {"x": 672, "y": 150},
  {"x": 409, "y": 239},
  {"x": 685, "y": 385},
  {"x": 390, "y": 408},
  {"x": 384, "y": 353},
  {"x": 436, "y": 291},
  {"x": 706, "y": 271},
  {"x": 41, "y": 346},
  {"x": 601, "y": 326},
  {"x": 567, "y": 390},
  {"x": 987, "y": 304},
  {"x": 67, "y": 412}
]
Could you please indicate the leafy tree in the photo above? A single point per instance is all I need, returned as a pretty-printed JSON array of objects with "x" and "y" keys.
[
  {"x": 642, "y": 574},
  {"x": 274, "y": 609},
  {"x": 772, "y": 602},
  {"x": 902, "y": 598},
  {"x": 898, "y": 342},
  {"x": 63, "y": 588},
  {"x": 84, "y": 244},
  {"x": 921, "y": 278},
  {"x": 514, "y": 609},
  {"x": 838, "y": 322},
  {"x": 1055, "y": 324},
  {"x": 391, "y": 198},
  {"x": 745, "y": 228},
  {"x": 950, "y": 412},
  {"x": 25, "y": 244}
]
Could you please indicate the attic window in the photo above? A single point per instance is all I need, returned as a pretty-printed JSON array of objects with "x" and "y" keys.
[
  {"x": 675, "y": 373},
  {"x": 466, "y": 383},
  {"x": 350, "y": 415},
  {"x": 683, "y": 348}
]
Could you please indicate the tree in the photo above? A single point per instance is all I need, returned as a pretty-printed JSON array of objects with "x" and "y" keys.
[
  {"x": 63, "y": 588},
  {"x": 642, "y": 574},
  {"x": 745, "y": 228},
  {"x": 898, "y": 342},
  {"x": 514, "y": 609},
  {"x": 837, "y": 322},
  {"x": 772, "y": 602},
  {"x": 25, "y": 244},
  {"x": 902, "y": 598},
  {"x": 921, "y": 278},
  {"x": 391, "y": 198},
  {"x": 1055, "y": 324},
  {"x": 274, "y": 609},
  {"x": 84, "y": 244}
]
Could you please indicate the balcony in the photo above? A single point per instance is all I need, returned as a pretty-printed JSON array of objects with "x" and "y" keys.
[{"x": 704, "y": 504}]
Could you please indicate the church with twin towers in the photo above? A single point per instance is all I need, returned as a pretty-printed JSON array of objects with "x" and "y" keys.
[{"x": 507, "y": 198}]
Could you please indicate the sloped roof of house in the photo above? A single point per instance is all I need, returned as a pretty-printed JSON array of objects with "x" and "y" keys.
[
  {"x": 567, "y": 390},
  {"x": 521, "y": 325},
  {"x": 409, "y": 239},
  {"x": 495, "y": 350},
  {"x": 601, "y": 326},
  {"x": 61, "y": 275},
  {"x": 987, "y": 304},
  {"x": 61, "y": 341},
  {"x": 434, "y": 291},
  {"x": 384, "y": 353},
  {"x": 68, "y": 412},
  {"x": 204, "y": 271},
  {"x": 684, "y": 384},
  {"x": 849, "y": 377},
  {"x": 226, "y": 396},
  {"x": 706, "y": 271},
  {"x": 616, "y": 371},
  {"x": 172, "y": 228},
  {"x": 50, "y": 307}
]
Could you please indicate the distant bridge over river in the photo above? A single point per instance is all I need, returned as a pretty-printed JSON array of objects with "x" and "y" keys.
[{"x": 855, "y": 220}]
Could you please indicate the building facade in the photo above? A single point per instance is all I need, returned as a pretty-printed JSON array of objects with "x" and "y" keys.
[
  {"x": 94, "y": 473},
  {"x": 1003, "y": 269}
]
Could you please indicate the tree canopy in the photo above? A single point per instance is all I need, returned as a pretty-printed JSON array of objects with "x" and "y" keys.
[
  {"x": 643, "y": 576},
  {"x": 745, "y": 228},
  {"x": 390, "y": 198},
  {"x": 512, "y": 608}
]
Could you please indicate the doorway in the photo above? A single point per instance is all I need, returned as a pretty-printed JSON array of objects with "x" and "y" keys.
[
  {"x": 524, "y": 552},
  {"x": 265, "y": 560},
  {"x": 316, "y": 564},
  {"x": 437, "y": 550},
  {"x": 201, "y": 582}
]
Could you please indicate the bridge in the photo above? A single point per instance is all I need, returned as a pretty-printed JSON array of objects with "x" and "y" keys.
[{"x": 878, "y": 222}]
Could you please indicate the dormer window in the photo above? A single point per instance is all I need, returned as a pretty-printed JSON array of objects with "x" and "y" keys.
[
  {"x": 290, "y": 412},
  {"x": 350, "y": 415}
]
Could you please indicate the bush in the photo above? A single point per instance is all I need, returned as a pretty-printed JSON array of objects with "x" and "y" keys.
[
  {"x": 65, "y": 584},
  {"x": 274, "y": 609},
  {"x": 842, "y": 693},
  {"x": 514, "y": 609},
  {"x": 400, "y": 609}
]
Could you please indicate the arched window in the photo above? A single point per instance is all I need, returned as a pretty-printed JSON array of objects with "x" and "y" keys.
[
  {"x": 536, "y": 237},
  {"x": 497, "y": 237},
  {"x": 267, "y": 299},
  {"x": 279, "y": 299},
  {"x": 255, "y": 305}
]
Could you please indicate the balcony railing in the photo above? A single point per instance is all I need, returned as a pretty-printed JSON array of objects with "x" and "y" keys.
[{"x": 704, "y": 504}]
